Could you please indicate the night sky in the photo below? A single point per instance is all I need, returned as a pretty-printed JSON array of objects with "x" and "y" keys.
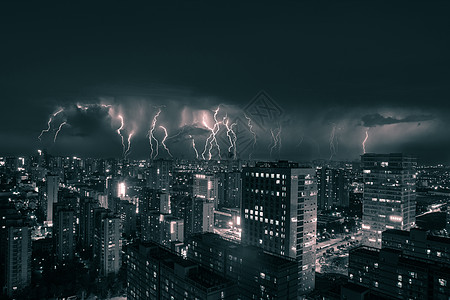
[{"x": 330, "y": 71}]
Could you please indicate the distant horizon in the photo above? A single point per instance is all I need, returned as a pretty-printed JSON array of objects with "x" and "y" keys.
[{"x": 357, "y": 160}]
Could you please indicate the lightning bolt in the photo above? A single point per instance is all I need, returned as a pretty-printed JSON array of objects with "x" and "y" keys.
[
  {"x": 193, "y": 146},
  {"x": 151, "y": 136},
  {"x": 332, "y": 139},
  {"x": 127, "y": 152},
  {"x": 230, "y": 134},
  {"x": 276, "y": 140},
  {"x": 120, "y": 134},
  {"x": 163, "y": 142},
  {"x": 365, "y": 140},
  {"x": 250, "y": 127},
  {"x": 59, "y": 129},
  {"x": 234, "y": 140},
  {"x": 279, "y": 139},
  {"x": 49, "y": 122},
  {"x": 212, "y": 137}
]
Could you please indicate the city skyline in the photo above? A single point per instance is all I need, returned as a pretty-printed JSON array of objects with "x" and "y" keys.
[{"x": 337, "y": 75}]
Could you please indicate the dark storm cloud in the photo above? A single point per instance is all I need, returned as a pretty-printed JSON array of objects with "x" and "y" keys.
[
  {"x": 373, "y": 120},
  {"x": 187, "y": 132},
  {"x": 323, "y": 63},
  {"x": 87, "y": 122}
]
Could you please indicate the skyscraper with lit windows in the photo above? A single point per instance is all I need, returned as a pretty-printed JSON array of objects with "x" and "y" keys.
[
  {"x": 279, "y": 205},
  {"x": 389, "y": 195}
]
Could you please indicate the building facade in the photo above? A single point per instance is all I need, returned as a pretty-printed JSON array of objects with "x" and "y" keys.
[
  {"x": 258, "y": 274},
  {"x": 64, "y": 232},
  {"x": 18, "y": 259},
  {"x": 279, "y": 209},
  {"x": 390, "y": 274},
  {"x": 156, "y": 273},
  {"x": 107, "y": 242},
  {"x": 389, "y": 195},
  {"x": 52, "y": 186}
]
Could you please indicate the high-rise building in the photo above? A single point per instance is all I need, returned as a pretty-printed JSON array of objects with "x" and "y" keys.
[
  {"x": 8, "y": 217},
  {"x": 205, "y": 187},
  {"x": 390, "y": 274},
  {"x": 86, "y": 235},
  {"x": 279, "y": 205},
  {"x": 127, "y": 213},
  {"x": 389, "y": 195},
  {"x": 164, "y": 229},
  {"x": 52, "y": 185},
  {"x": 63, "y": 232},
  {"x": 160, "y": 175},
  {"x": 152, "y": 203},
  {"x": 155, "y": 273},
  {"x": 333, "y": 188},
  {"x": 182, "y": 208},
  {"x": 18, "y": 259},
  {"x": 172, "y": 230},
  {"x": 107, "y": 241},
  {"x": 229, "y": 191},
  {"x": 418, "y": 243},
  {"x": 258, "y": 274},
  {"x": 203, "y": 216}
]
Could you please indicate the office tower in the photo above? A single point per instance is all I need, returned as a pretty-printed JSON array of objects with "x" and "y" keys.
[
  {"x": 258, "y": 274},
  {"x": 419, "y": 244},
  {"x": 172, "y": 230},
  {"x": 18, "y": 259},
  {"x": 152, "y": 203},
  {"x": 279, "y": 205},
  {"x": 52, "y": 182},
  {"x": 63, "y": 232},
  {"x": 107, "y": 241},
  {"x": 390, "y": 274},
  {"x": 164, "y": 229},
  {"x": 205, "y": 187},
  {"x": 115, "y": 189},
  {"x": 333, "y": 188},
  {"x": 8, "y": 217},
  {"x": 127, "y": 213},
  {"x": 203, "y": 216},
  {"x": 155, "y": 273},
  {"x": 160, "y": 175},
  {"x": 229, "y": 192},
  {"x": 182, "y": 207},
  {"x": 86, "y": 236},
  {"x": 152, "y": 199},
  {"x": 182, "y": 182},
  {"x": 389, "y": 195}
]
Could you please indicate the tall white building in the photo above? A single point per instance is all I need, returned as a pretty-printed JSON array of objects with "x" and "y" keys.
[
  {"x": 107, "y": 242},
  {"x": 52, "y": 186},
  {"x": 18, "y": 259},
  {"x": 389, "y": 200},
  {"x": 279, "y": 209}
]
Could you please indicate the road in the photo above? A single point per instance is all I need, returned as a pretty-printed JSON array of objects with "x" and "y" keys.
[{"x": 322, "y": 247}]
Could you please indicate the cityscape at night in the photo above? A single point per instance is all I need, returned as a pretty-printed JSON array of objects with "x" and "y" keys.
[{"x": 206, "y": 151}]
